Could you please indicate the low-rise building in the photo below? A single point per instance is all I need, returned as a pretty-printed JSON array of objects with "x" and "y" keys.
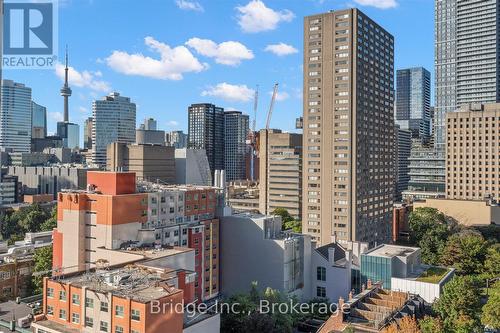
[
  {"x": 465, "y": 212},
  {"x": 399, "y": 268},
  {"x": 192, "y": 167},
  {"x": 256, "y": 249},
  {"x": 400, "y": 221},
  {"x": 243, "y": 196}
]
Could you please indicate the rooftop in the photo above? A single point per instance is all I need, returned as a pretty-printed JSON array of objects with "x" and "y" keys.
[
  {"x": 391, "y": 251},
  {"x": 139, "y": 284},
  {"x": 155, "y": 253}
]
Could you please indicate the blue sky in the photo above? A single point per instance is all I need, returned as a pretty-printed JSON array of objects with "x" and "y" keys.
[{"x": 167, "y": 54}]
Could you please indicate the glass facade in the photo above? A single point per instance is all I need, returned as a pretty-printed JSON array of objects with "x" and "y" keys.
[
  {"x": 377, "y": 269},
  {"x": 39, "y": 121}
]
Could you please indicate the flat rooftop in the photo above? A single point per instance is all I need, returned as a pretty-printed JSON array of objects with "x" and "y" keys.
[
  {"x": 153, "y": 253},
  {"x": 391, "y": 251},
  {"x": 139, "y": 284}
]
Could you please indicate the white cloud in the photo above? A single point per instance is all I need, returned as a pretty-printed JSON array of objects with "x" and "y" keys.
[
  {"x": 230, "y": 92},
  {"x": 382, "y": 4},
  {"x": 280, "y": 96},
  {"x": 56, "y": 116},
  {"x": 227, "y": 53},
  {"x": 281, "y": 49},
  {"x": 173, "y": 62},
  {"x": 172, "y": 123},
  {"x": 256, "y": 17},
  {"x": 83, "y": 109},
  {"x": 189, "y": 5},
  {"x": 84, "y": 79}
]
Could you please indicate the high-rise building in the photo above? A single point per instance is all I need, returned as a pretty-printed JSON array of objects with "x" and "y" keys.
[
  {"x": 149, "y": 124},
  {"x": 235, "y": 135},
  {"x": 280, "y": 186},
  {"x": 348, "y": 178},
  {"x": 467, "y": 71},
  {"x": 154, "y": 163},
  {"x": 15, "y": 117},
  {"x": 206, "y": 131},
  {"x": 177, "y": 139},
  {"x": 38, "y": 121},
  {"x": 69, "y": 133},
  {"x": 401, "y": 160},
  {"x": 413, "y": 102},
  {"x": 472, "y": 152},
  {"x": 114, "y": 121},
  {"x": 87, "y": 133}
]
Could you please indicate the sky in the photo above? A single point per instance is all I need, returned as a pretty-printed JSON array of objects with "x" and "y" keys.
[{"x": 168, "y": 54}]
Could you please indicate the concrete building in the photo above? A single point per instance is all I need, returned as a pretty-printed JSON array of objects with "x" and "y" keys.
[
  {"x": 38, "y": 121},
  {"x": 280, "y": 186},
  {"x": 38, "y": 145},
  {"x": 400, "y": 222},
  {"x": 473, "y": 153},
  {"x": 49, "y": 180},
  {"x": 15, "y": 117},
  {"x": 149, "y": 137},
  {"x": 117, "y": 216},
  {"x": 114, "y": 121},
  {"x": 466, "y": 212},
  {"x": 206, "y": 131},
  {"x": 192, "y": 167},
  {"x": 255, "y": 249},
  {"x": 402, "y": 154},
  {"x": 243, "y": 196},
  {"x": 336, "y": 270},
  {"x": 87, "y": 133},
  {"x": 236, "y": 127},
  {"x": 149, "y": 162},
  {"x": 427, "y": 173},
  {"x": 149, "y": 124},
  {"x": 177, "y": 139},
  {"x": 413, "y": 102},
  {"x": 399, "y": 268},
  {"x": 348, "y": 178}
]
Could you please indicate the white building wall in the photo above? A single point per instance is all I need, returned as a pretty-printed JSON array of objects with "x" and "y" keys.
[
  {"x": 338, "y": 279},
  {"x": 209, "y": 325}
]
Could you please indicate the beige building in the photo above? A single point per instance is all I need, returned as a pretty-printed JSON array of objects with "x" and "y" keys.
[
  {"x": 149, "y": 162},
  {"x": 466, "y": 212},
  {"x": 348, "y": 178},
  {"x": 280, "y": 156},
  {"x": 473, "y": 152}
]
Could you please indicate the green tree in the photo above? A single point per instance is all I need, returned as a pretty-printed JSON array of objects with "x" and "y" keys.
[
  {"x": 295, "y": 226},
  {"x": 285, "y": 215},
  {"x": 430, "y": 324},
  {"x": 466, "y": 252},
  {"x": 42, "y": 263},
  {"x": 51, "y": 222},
  {"x": 491, "y": 310},
  {"x": 433, "y": 243},
  {"x": 459, "y": 305},
  {"x": 423, "y": 219},
  {"x": 492, "y": 261}
]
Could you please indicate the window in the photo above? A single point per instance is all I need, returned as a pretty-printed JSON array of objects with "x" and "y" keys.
[
  {"x": 118, "y": 329},
  {"x": 89, "y": 322},
  {"x": 104, "y": 306},
  {"x": 62, "y": 295},
  {"x": 103, "y": 326},
  {"x": 50, "y": 292},
  {"x": 321, "y": 292},
  {"x": 119, "y": 311},
  {"x": 75, "y": 298},
  {"x": 89, "y": 303},
  {"x": 134, "y": 331},
  {"x": 50, "y": 310},
  {"x": 75, "y": 318},
  {"x": 321, "y": 273},
  {"x": 135, "y": 315},
  {"x": 62, "y": 314}
]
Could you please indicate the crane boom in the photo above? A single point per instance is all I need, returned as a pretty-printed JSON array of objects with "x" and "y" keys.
[
  {"x": 253, "y": 141},
  {"x": 255, "y": 105},
  {"x": 271, "y": 107}
]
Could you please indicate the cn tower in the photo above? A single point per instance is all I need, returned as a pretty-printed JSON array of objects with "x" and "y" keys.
[{"x": 66, "y": 90}]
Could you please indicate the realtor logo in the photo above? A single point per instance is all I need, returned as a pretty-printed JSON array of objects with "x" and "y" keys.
[{"x": 29, "y": 34}]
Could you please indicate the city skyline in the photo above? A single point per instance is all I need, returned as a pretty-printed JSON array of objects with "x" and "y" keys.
[{"x": 162, "y": 96}]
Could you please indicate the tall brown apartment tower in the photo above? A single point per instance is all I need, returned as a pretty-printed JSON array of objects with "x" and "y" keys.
[
  {"x": 348, "y": 169},
  {"x": 473, "y": 152},
  {"x": 280, "y": 172}
]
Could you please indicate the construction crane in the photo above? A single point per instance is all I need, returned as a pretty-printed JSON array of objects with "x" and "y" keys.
[
  {"x": 268, "y": 123},
  {"x": 253, "y": 139}
]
